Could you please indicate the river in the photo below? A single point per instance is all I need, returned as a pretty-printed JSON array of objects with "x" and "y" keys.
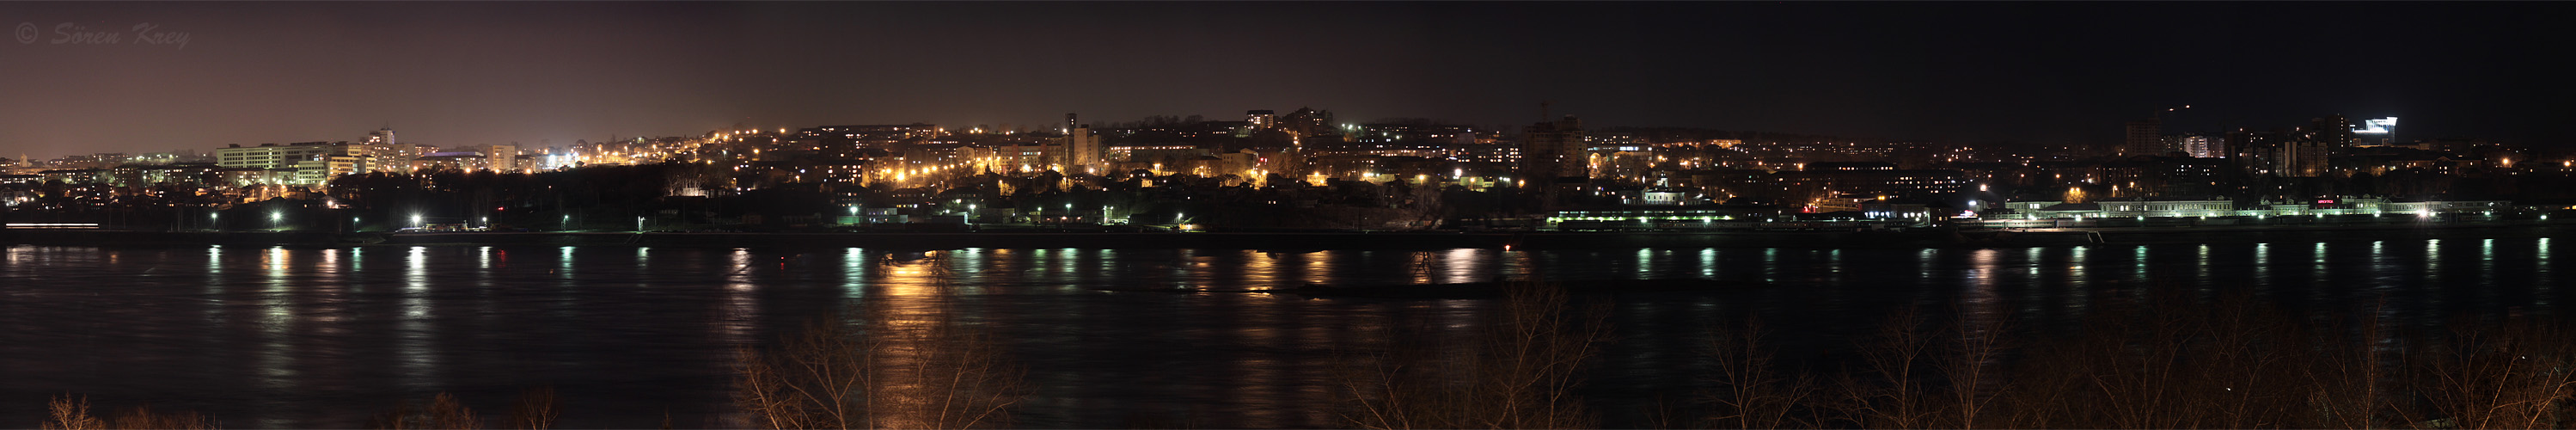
[{"x": 323, "y": 337}]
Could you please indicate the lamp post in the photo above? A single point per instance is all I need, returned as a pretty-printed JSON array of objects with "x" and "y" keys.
[{"x": 273, "y": 218}]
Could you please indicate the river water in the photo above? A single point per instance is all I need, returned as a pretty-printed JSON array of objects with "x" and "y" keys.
[{"x": 297, "y": 337}]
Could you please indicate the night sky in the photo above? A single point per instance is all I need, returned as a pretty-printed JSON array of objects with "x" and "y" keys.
[{"x": 485, "y": 73}]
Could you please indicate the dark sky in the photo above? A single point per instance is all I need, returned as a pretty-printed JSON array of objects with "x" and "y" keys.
[{"x": 483, "y": 73}]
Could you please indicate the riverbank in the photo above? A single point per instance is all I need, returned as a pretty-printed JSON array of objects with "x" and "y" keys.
[{"x": 1300, "y": 241}]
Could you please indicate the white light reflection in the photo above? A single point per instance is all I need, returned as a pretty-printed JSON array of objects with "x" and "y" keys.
[
  {"x": 276, "y": 355},
  {"x": 2545, "y": 277},
  {"x": 2433, "y": 260},
  {"x": 1979, "y": 302},
  {"x": 1708, "y": 263},
  {"x": 2202, "y": 277},
  {"x": 2031, "y": 256},
  {"x": 2262, "y": 269},
  {"x": 2139, "y": 273},
  {"x": 2076, "y": 264},
  {"x": 416, "y": 361},
  {"x": 1461, "y": 265},
  {"x": 735, "y": 320},
  {"x": 854, "y": 273},
  {"x": 2486, "y": 258},
  {"x": 2317, "y": 274},
  {"x": 563, "y": 266}
]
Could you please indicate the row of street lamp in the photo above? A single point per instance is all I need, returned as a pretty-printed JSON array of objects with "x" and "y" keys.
[{"x": 277, "y": 218}]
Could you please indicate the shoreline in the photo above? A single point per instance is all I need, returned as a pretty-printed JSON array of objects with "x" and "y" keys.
[{"x": 1312, "y": 241}]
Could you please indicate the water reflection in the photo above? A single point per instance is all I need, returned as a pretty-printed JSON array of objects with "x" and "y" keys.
[{"x": 278, "y": 337}]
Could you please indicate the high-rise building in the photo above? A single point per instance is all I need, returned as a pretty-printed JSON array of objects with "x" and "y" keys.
[
  {"x": 2306, "y": 158},
  {"x": 2144, "y": 138},
  {"x": 2333, "y": 131},
  {"x": 2257, "y": 152},
  {"x": 1555, "y": 149},
  {"x": 1085, "y": 151}
]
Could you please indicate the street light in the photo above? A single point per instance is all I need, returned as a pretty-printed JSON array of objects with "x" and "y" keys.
[{"x": 273, "y": 218}]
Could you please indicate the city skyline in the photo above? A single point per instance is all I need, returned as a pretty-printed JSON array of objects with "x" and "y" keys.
[{"x": 249, "y": 74}]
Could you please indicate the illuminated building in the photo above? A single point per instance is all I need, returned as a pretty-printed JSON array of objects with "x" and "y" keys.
[
  {"x": 310, "y": 163},
  {"x": 1870, "y": 179},
  {"x": 503, "y": 158},
  {"x": 848, "y": 141},
  {"x": 1260, "y": 119},
  {"x": 461, "y": 160},
  {"x": 2199, "y": 146},
  {"x": 1404, "y": 140},
  {"x": 2377, "y": 132}
]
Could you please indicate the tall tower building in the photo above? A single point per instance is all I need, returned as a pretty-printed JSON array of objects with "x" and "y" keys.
[
  {"x": 2144, "y": 138},
  {"x": 2334, "y": 131},
  {"x": 1555, "y": 149},
  {"x": 1087, "y": 155}
]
